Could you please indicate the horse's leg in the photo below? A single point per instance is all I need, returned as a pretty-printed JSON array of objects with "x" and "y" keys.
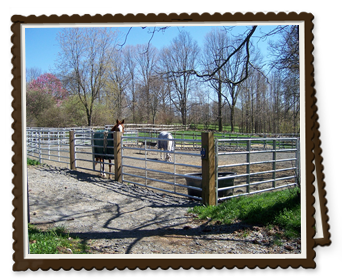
[
  {"x": 103, "y": 168},
  {"x": 110, "y": 168}
]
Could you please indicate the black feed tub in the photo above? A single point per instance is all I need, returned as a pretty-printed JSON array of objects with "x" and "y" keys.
[{"x": 225, "y": 179}]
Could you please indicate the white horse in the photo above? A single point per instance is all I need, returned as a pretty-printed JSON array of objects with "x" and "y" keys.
[{"x": 165, "y": 144}]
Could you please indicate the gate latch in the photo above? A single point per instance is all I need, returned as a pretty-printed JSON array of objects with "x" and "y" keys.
[{"x": 203, "y": 153}]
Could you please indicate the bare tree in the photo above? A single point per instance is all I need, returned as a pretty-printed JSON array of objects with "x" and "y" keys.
[
  {"x": 32, "y": 74},
  {"x": 214, "y": 53},
  {"x": 176, "y": 59},
  {"x": 129, "y": 53},
  {"x": 157, "y": 90},
  {"x": 285, "y": 52},
  {"x": 82, "y": 62},
  {"x": 117, "y": 79},
  {"x": 146, "y": 58}
]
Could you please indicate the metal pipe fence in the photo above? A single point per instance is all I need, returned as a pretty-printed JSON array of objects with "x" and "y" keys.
[
  {"x": 261, "y": 165},
  {"x": 48, "y": 145}
]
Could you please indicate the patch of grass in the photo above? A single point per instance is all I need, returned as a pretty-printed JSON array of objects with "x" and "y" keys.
[
  {"x": 32, "y": 162},
  {"x": 280, "y": 208},
  {"x": 54, "y": 241}
]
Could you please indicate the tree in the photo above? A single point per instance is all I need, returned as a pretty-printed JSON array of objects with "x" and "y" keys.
[
  {"x": 83, "y": 60},
  {"x": 129, "y": 53},
  {"x": 50, "y": 85},
  {"x": 240, "y": 52},
  {"x": 32, "y": 73},
  {"x": 116, "y": 83},
  {"x": 43, "y": 94},
  {"x": 146, "y": 58},
  {"x": 214, "y": 53},
  {"x": 285, "y": 52},
  {"x": 176, "y": 60}
]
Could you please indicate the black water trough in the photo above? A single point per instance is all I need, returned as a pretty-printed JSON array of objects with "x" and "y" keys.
[{"x": 225, "y": 179}]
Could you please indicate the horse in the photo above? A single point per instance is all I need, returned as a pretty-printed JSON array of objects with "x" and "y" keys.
[
  {"x": 166, "y": 144},
  {"x": 105, "y": 146}
]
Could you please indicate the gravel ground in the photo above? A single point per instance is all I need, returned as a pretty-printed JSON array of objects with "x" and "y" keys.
[{"x": 115, "y": 218}]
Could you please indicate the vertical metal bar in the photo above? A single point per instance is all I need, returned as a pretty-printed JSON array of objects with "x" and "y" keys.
[
  {"x": 193, "y": 138},
  {"x": 92, "y": 147},
  {"x": 182, "y": 141},
  {"x": 216, "y": 170},
  {"x": 58, "y": 146},
  {"x": 49, "y": 140},
  {"x": 298, "y": 161},
  {"x": 174, "y": 169},
  {"x": 248, "y": 167},
  {"x": 274, "y": 157},
  {"x": 145, "y": 165},
  {"x": 75, "y": 149},
  {"x": 39, "y": 147}
]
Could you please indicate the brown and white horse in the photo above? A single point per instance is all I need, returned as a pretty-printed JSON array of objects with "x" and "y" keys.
[{"x": 98, "y": 158}]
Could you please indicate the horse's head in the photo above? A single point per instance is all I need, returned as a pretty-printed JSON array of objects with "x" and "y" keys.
[{"x": 119, "y": 126}]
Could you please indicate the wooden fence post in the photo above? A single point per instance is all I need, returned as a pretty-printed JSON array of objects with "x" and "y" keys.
[
  {"x": 117, "y": 155},
  {"x": 72, "y": 149},
  {"x": 209, "y": 194}
]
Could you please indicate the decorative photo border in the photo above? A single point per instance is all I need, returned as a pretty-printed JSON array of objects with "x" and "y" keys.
[{"x": 306, "y": 260}]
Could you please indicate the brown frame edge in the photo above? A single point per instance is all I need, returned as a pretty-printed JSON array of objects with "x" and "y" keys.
[{"x": 82, "y": 15}]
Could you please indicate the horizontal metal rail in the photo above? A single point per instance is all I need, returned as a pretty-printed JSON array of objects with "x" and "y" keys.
[
  {"x": 264, "y": 172},
  {"x": 256, "y": 192},
  {"x": 161, "y": 162},
  {"x": 258, "y": 152},
  {"x": 161, "y": 181},
  {"x": 160, "y": 171},
  {"x": 60, "y": 161},
  {"x": 256, "y": 162},
  {"x": 258, "y": 139},
  {"x": 163, "y": 190}
]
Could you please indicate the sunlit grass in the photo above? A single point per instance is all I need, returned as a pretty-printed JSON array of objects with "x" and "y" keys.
[
  {"x": 54, "y": 241},
  {"x": 280, "y": 208}
]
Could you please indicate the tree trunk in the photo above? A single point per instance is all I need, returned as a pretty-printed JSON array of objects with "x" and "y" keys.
[
  {"x": 232, "y": 109},
  {"x": 220, "y": 107}
]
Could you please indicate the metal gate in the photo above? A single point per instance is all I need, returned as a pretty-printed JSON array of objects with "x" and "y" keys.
[{"x": 142, "y": 165}]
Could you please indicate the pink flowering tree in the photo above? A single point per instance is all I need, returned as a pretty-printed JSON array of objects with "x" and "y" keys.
[
  {"x": 43, "y": 94},
  {"x": 50, "y": 85}
]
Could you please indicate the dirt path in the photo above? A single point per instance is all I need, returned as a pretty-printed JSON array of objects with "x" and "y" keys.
[{"x": 115, "y": 218}]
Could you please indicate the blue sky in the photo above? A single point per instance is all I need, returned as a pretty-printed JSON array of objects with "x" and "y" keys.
[{"x": 41, "y": 46}]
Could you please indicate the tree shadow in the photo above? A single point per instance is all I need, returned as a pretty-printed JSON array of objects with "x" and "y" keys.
[{"x": 157, "y": 223}]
